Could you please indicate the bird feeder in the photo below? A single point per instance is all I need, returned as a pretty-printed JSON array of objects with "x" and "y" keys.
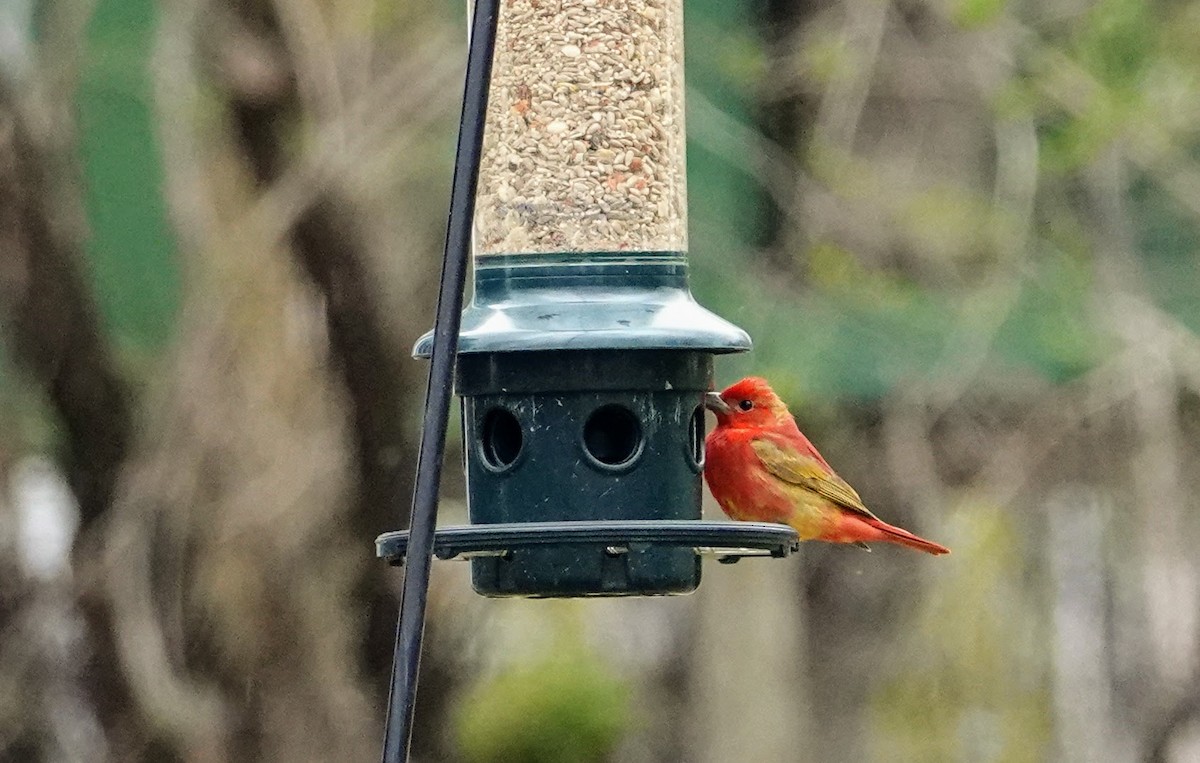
[{"x": 583, "y": 359}]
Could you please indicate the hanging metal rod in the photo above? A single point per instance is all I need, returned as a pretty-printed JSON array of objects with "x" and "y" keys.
[{"x": 406, "y": 656}]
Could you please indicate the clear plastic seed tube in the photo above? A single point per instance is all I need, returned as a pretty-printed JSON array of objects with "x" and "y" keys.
[{"x": 584, "y": 144}]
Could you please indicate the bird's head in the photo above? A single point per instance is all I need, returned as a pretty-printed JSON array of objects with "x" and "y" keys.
[{"x": 749, "y": 403}]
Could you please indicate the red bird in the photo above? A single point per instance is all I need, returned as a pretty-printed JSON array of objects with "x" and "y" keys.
[{"x": 760, "y": 467}]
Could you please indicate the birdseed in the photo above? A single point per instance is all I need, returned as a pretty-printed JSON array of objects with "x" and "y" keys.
[{"x": 584, "y": 144}]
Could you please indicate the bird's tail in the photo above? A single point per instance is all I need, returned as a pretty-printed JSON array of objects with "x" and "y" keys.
[{"x": 892, "y": 534}]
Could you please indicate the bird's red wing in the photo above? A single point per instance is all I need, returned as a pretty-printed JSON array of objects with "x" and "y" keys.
[{"x": 787, "y": 463}]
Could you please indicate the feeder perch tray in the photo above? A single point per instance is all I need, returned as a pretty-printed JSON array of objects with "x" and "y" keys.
[{"x": 591, "y": 546}]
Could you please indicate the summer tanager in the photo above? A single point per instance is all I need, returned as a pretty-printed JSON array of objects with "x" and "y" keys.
[{"x": 760, "y": 467}]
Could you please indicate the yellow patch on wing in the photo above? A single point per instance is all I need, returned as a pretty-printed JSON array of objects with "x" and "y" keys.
[{"x": 795, "y": 468}]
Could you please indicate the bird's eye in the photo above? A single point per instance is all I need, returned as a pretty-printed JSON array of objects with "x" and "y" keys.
[{"x": 746, "y": 405}]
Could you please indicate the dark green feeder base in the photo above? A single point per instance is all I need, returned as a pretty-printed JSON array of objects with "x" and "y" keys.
[
  {"x": 584, "y": 436},
  {"x": 595, "y": 558},
  {"x": 582, "y": 378}
]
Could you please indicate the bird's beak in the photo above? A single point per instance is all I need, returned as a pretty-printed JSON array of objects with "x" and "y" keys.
[{"x": 714, "y": 403}]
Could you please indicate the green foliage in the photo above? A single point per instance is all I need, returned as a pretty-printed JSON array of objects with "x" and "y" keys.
[
  {"x": 847, "y": 324},
  {"x": 725, "y": 63},
  {"x": 828, "y": 59},
  {"x": 947, "y": 224},
  {"x": 565, "y": 706},
  {"x": 1116, "y": 40},
  {"x": 973, "y": 14},
  {"x": 1050, "y": 329},
  {"x": 1170, "y": 242},
  {"x": 857, "y": 333},
  {"x": 131, "y": 249},
  {"x": 26, "y": 420},
  {"x": 1070, "y": 142}
]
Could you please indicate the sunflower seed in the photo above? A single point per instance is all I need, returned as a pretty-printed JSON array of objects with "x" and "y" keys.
[{"x": 584, "y": 146}]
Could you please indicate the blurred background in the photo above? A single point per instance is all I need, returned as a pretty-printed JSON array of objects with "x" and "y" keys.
[{"x": 962, "y": 233}]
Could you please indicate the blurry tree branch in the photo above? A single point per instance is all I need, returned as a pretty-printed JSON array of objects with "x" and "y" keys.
[
  {"x": 268, "y": 197},
  {"x": 769, "y": 163},
  {"x": 1168, "y": 572},
  {"x": 1150, "y": 146},
  {"x": 51, "y": 317},
  {"x": 51, "y": 321},
  {"x": 228, "y": 561},
  {"x": 841, "y": 108},
  {"x": 1184, "y": 713},
  {"x": 304, "y": 189},
  {"x": 304, "y": 199}
]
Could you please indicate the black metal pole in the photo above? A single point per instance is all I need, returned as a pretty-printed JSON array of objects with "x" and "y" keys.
[{"x": 406, "y": 657}]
